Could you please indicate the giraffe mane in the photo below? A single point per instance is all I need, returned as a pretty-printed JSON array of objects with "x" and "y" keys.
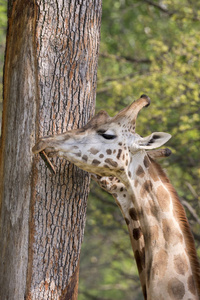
[{"x": 185, "y": 227}]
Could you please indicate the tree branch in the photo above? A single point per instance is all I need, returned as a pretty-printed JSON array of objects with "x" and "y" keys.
[
  {"x": 160, "y": 7},
  {"x": 171, "y": 13},
  {"x": 192, "y": 190},
  {"x": 191, "y": 210},
  {"x": 127, "y": 58}
]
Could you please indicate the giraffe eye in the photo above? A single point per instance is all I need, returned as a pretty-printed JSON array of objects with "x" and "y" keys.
[{"x": 108, "y": 135}]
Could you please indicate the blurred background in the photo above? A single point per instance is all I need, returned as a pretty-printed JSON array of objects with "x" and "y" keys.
[{"x": 147, "y": 47}]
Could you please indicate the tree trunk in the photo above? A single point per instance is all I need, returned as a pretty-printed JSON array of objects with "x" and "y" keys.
[{"x": 49, "y": 87}]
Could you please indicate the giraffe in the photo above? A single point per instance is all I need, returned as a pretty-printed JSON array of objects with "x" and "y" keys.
[
  {"x": 119, "y": 192},
  {"x": 109, "y": 146}
]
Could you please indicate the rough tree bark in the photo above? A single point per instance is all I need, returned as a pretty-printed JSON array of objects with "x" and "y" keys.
[{"x": 49, "y": 86}]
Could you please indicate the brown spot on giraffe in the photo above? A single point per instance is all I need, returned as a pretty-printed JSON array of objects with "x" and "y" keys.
[
  {"x": 127, "y": 221},
  {"x": 140, "y": 259},
  {"x": 146, "y": 161},
  {"x": 191, "y": 285},
  {"x": 151, "y": 209},
  {"x": 111, "y": 162},
  {"x": 107, "y": 167},
  {"x": 119, "y": 153},
  {"x": 163, "y": 198},
  {"x": 137, "y": 233},
  {"x": 85, "y": 157},
  {"x": 140, "y": 172},
  {"x": 136, "y": 183},
  {"x": 133, "y": 214},
  {"x": 146, "y": 188},
  {"x": 93, "y": 151},
  {"x": 101, "y": 156},
  {"x": 176, "y": 289},
  {"x": 109, "y": 151},
  {"x": 104, "y": 183},
  {"x": 129, "y": 174},
  {"x": 180, "y": 264},
  {"x": 171, "y": 233},
  {"x": 159, "y": 265},
  {"x": 114, "y": 187},
  {"x": 142, "y": 255},
  {"x": 148, "y": 270},
  {"x": 96, "y": 162},
  {"x": 78, "y": 154},
  {"x": 152, "y": 173}
]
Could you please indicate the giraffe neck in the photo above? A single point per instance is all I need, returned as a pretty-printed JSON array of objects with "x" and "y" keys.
[
  {"x": 125, "y": 203},
  {"x": 137, "y": 240},
  {"x": 170, "y": 255}
]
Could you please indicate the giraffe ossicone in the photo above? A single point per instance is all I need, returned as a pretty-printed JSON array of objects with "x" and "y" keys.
[{"x": 110, "y": 147}]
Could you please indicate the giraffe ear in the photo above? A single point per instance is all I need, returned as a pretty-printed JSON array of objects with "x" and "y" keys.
[{"x": 153, "y": 141}]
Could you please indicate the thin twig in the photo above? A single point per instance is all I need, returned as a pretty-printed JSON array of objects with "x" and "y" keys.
[
  {"x": 161, "y": 8},
  {"x": 191, "y": 210},
  {"x": 127, "y": 58}
]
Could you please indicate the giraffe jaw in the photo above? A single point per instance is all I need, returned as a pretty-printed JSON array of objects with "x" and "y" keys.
[{"x": 73, "y": 149}]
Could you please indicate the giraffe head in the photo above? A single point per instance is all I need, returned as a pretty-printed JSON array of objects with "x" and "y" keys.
[{"x": 104, "y": 145}]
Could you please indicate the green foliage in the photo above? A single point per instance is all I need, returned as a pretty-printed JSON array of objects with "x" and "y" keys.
[
  {"x": 3, "y": 16},
  {"x": 150, "y": 47}
]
